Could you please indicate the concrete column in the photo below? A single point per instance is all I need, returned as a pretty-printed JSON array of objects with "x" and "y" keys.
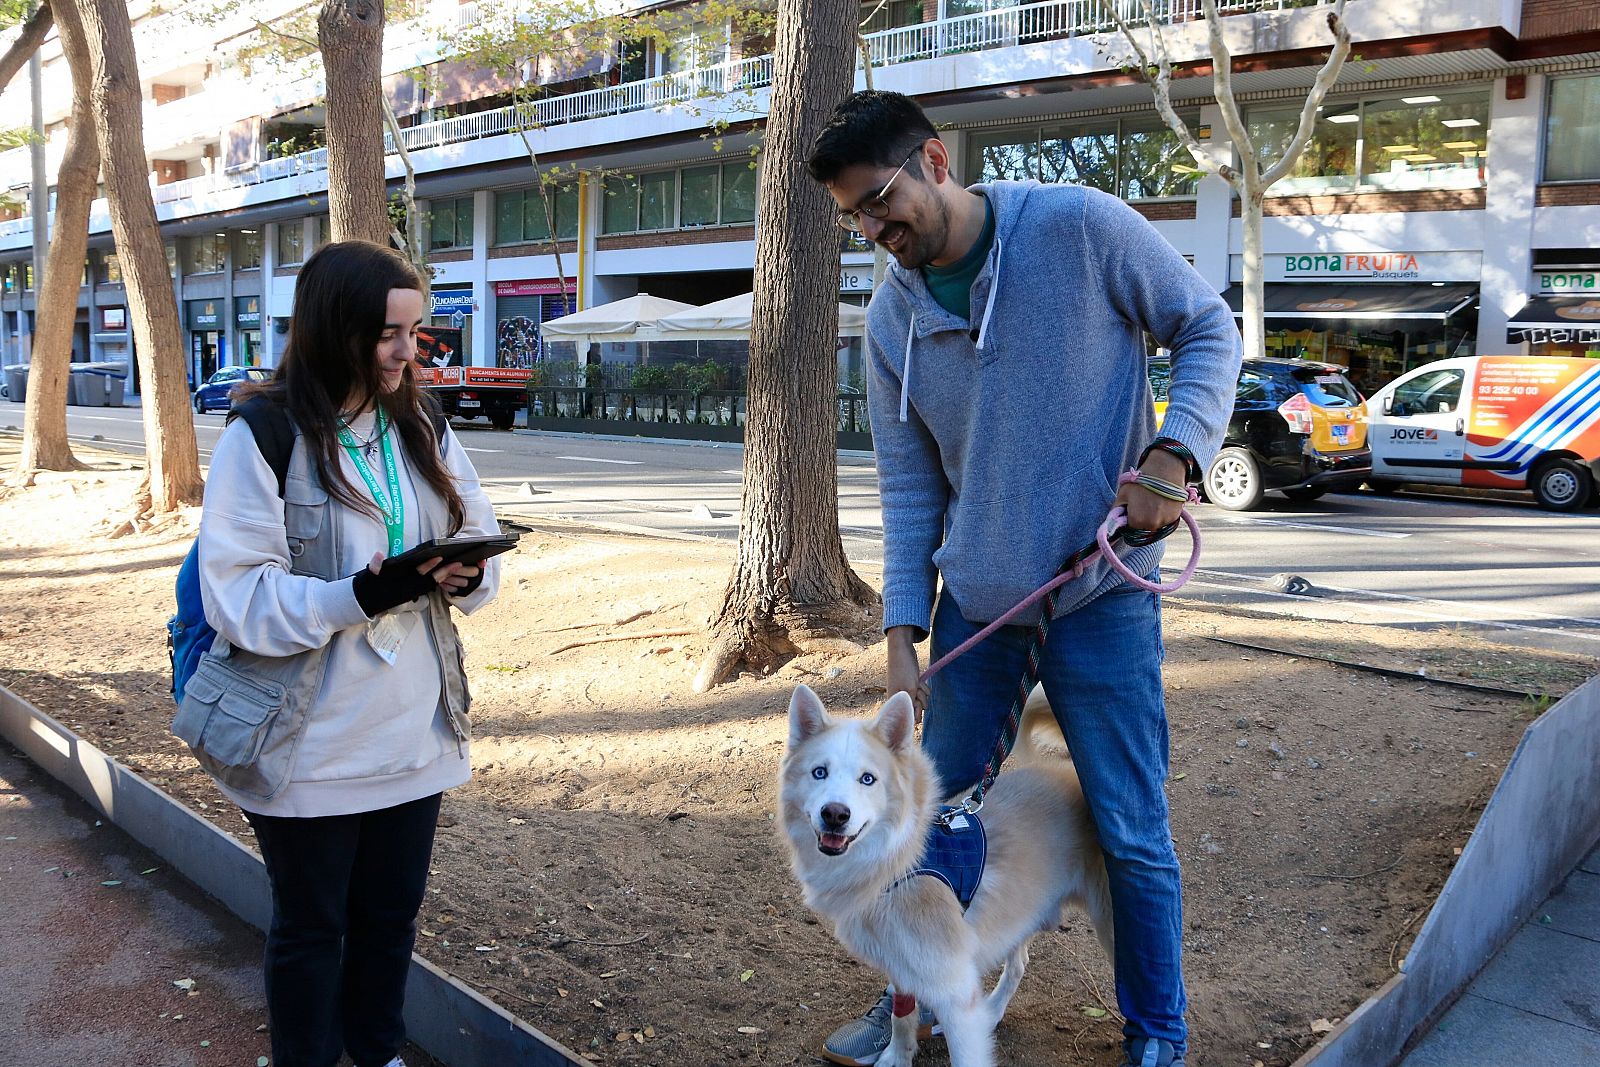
[
  {"x": 1213, "y": 207},
  {"x": 482, "y": 353},
  {"x": 1515, "y": 130},
  {"x": 269, "y": 268}
]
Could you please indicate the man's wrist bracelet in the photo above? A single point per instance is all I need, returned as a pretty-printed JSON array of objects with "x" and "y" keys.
[{"x": 1174, "y": 447}]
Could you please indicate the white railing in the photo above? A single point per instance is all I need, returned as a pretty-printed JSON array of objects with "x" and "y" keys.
[{"x": 1002, "y": 28}]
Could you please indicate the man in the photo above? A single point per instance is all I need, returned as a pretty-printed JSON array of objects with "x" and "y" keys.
[{"x": 1007, "y": 392}]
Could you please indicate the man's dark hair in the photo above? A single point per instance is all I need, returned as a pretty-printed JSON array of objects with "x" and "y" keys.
[{"x": 871, "y": 127}]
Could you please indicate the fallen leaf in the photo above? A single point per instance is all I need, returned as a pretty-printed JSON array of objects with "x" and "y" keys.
[
  {"x": 745, "y": 976},
  {"x": 751, "y": 1030},
  {"x": 205, "y": 1044},
  {"x": 111, "y": 882},
  {"x": 622, "y": 1035},
  {"x": 1321, "y": 1026},
  {"x": 560, "y": 992},
  {"x": 1093, "y": 1012},
  {"x": 597, "y": 1003},
  {"x": 150, "y": 870},
  {"x": 650, "y": 1031},
  {"x": 185, "y": 984},
  {"x": 427, "y": 933},
  {"x": 1180, "y": 776},
  {"x": 262, "y": 1061},
  {"x": 608, "y": 974},
  {"x": 514, "y": 821},
  {"x": 484, "y": 948}
]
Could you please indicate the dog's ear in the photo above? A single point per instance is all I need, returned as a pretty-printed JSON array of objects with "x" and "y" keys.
[
  {"x": 896, "y": 722},
  {"x": 807, "y": 716}
]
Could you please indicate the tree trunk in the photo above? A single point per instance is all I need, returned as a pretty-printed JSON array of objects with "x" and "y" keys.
[
  {"x": 792, "y": 583},
  {"x": 1254, "y": 306},
  {"x": 44, "y": 424},
  {"x": 350, "y": 34},
  {"x": 173, "y": 472},
  {"x": 34, "y": 31}
]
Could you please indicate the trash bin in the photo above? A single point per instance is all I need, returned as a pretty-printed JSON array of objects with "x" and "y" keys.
[
  {"x": 114, "y": 377},
  {"x": 87, "y": 389},
  {"x": 17, "y": 382}
]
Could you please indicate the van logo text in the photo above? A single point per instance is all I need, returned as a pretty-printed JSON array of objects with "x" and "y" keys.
[{"x": 1408, "y": 433}]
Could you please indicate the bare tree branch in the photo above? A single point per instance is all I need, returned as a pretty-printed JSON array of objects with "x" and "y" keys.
[
  {"x": 1222, "y": 82},
  {"x": 1319, "y": 90},
  {"x": 34, "y": 31}
]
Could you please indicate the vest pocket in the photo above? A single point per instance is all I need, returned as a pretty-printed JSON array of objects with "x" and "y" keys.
[
  {"x": 304, "y": 503},
  {"x": 225, "y": 716}
]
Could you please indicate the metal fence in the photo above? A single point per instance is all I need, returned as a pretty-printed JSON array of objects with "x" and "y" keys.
[{"x": 712, "y": 415}]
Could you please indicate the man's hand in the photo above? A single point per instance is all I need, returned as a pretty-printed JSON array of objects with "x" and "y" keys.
[
  {"x": 1146, "y": 510},
  {"x": 904, "y": 667}
]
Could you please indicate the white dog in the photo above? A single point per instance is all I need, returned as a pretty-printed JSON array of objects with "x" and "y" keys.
[{"x": 856, "y": 802}]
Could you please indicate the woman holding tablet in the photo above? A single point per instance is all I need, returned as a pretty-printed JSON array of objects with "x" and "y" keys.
[{"x": 367, "y": 722}]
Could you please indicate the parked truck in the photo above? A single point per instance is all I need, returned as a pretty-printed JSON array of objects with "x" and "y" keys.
[{"x": 494, "y": 393}]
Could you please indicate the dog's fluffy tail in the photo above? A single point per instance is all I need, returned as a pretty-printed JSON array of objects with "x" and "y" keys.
[{"x": 1039, "y": 734}]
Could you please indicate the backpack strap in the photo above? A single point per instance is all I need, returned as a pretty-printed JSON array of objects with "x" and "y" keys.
[
  {"x": 436, "y": 415},
  {"x": 273, "y": 430}
]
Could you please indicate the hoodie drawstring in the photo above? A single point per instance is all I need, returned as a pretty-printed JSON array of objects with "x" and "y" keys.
[
  {"x": 905, "y": 372},
  {"x": 994, "y": 287}
]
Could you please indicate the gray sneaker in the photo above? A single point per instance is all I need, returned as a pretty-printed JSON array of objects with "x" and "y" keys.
[
  {"x": 859, "y": 1042},
  {"x": 1150, "y": 1052}
]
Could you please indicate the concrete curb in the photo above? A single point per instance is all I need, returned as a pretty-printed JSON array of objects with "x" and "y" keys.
[
  {"x": 445, "y": 1017},
  {"x": 1541, "y": 821}
]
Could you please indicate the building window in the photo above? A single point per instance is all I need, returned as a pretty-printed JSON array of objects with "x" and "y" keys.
[
  {"x": 247, "y": 250},
  {"x": 519, "y": 214},
  {"x": 110, "y": 268},
  {"x": 208, "y": 254},
  {"x": 321, "y": 231},
  {"x": 1134, "y": 158},
  {"x": 291, "y": 243},
  {"x": 450, "y": 223},
  {"x": 172, "y": 260},
  {"x": 712, "y": 195},
  {"x": 1420, "y": 140},
  {"x": 1572, "y": 130}
]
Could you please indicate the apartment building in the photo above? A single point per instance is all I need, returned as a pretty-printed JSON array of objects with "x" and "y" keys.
[{"x": 1449, "y": 202}]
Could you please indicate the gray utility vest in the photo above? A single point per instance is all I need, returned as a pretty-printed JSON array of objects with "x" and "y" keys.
[{"x": 242, "y": 714}]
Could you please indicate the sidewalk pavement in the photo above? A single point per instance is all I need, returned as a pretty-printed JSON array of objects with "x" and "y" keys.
[
  {"x": 94, "y": 933},
  {"x": 1538, "y": 1000}
]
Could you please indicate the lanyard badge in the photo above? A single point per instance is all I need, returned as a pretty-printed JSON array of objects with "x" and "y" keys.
[{"x": 390, "y": 503}]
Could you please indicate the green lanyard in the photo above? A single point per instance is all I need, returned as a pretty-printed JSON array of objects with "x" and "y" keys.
[{"x": 391, "y": 504}]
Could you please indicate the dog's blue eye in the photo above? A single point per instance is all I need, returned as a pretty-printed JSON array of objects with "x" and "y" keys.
[
  {"x": 868, "y": 778},
  {"x": 819, "y": 773}
]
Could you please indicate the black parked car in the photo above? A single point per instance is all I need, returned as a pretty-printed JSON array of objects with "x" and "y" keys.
[
  {"x": 217, "y": 393},
  {"x": 1298, "y": 427}
]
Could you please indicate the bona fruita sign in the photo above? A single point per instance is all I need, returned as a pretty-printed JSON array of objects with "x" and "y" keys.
[{"x": 1381, "y": 266}]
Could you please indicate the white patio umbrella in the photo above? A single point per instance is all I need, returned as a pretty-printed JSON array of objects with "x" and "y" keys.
[
  {"x": 632, "y": 318},
  {"x": 729, "y": 320}
]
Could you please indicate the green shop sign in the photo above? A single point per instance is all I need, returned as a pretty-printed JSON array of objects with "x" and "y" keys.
[{"x": 203, "y": 315}]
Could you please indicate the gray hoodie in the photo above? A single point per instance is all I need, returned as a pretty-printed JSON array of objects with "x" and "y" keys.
[{"x": 999, "y": 441}]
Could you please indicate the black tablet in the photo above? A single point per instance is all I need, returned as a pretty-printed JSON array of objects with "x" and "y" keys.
[{"x": 455, "y": 550}]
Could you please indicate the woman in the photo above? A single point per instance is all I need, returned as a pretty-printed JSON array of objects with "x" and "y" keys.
[{"x": 291, "y": 575}]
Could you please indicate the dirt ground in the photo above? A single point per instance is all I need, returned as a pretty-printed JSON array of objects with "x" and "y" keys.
[{"x": 612, "y": 873}]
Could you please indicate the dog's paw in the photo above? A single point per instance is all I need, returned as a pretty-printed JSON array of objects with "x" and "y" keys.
[{"x": 897, "y": 1057}]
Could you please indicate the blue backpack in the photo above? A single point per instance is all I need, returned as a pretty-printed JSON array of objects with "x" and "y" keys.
[{"x": 189, "y": 636}]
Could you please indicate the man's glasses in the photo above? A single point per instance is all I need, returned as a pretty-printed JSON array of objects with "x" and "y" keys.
[{"x": 876, "y": 207}]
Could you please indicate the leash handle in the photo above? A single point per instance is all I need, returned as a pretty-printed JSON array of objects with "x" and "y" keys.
[{"x": 1118, "y": 521}]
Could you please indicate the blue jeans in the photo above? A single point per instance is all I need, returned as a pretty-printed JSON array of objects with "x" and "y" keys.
[{"x": 1101, "y": 668}]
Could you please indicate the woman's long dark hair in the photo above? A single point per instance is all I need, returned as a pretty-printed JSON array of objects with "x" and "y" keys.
[{"x": 341, "y": 302}]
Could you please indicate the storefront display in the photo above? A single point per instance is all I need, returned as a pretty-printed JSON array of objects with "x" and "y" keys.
[
  {"x": 519, "y": 309},
  {"x": 247, "y": 319},
  {"x": 453, "y": 308}
]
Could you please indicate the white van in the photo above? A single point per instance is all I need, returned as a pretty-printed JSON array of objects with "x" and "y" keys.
[{"x": 1494, "y": 422}]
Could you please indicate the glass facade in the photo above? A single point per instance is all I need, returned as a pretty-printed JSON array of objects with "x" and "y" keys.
[
  {"x": 717, "y": 194},
  {"x": 450, "y": 223},
  {"x": 520, "y": 217},
  {"x": 1135, "y": 157},
  {"x": 1572, "y": 130}
]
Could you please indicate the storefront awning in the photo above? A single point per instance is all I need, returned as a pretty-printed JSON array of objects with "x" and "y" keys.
[
  {"x": 1558, "y": 313},
  {"x": 1424, "y": 301}
]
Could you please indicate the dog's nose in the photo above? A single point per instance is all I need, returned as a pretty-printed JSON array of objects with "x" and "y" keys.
[{"x": 835, "y": 816}]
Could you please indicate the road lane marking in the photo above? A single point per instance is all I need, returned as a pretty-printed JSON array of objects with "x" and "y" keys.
[
  {"x": 597, "y": 459},
  {"x": 465, "y": 448},
  {"x": 1456, "y": 608},
  {"x": 1242, "y": 520}
]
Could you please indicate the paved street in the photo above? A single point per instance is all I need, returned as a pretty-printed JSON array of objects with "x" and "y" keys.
[{"x": 1531, "y": 576}]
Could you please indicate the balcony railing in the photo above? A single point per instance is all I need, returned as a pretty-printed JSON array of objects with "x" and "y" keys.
[{"x": 1001, "y": 28}]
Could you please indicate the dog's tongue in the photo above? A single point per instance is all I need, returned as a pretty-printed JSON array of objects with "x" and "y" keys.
[{"x": 833, "y": 842}]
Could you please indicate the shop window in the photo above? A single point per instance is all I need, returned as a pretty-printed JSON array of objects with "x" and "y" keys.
[
  {"x": 620, "y": 213},
  {"x": 1085, "y": 155},
  {"x": 656, "y": 195},
  {"x": 450, "y": 223},
  {"x": 1419, "y": 141},
  {"x": 207, "y": 254},
  {"x": 247, "y": 250},
  {"x": 697, "y": 205},
  {"x": 1329, "y": 161},
  {"x": 738, "y": 192},
  {"x": 291, "y": 243},
  {"x": 1155, "y": 163},
  {"x": 1439, "y": 391},
  {"x": 1008, "y": 156},
  {"x": 520, "y": 216},
  {"x": 1572, "y": 130}
]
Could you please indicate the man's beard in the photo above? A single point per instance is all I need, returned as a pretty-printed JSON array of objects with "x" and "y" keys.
[{"x": 922, "y": 243}]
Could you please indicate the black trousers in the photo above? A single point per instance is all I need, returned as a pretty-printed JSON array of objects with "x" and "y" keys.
[{"x": 345, "y": 894}]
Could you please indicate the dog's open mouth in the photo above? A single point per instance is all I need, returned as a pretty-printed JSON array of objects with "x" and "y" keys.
[{"x": 834, "y": 844}]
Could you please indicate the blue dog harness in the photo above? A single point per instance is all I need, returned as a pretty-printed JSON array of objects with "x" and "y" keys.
[{"x": 955, "y": 853}]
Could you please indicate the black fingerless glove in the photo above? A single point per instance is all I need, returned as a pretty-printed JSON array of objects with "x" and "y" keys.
[
  {"x": 389, "y": 588},
  {"x": 471, "y": 586}
]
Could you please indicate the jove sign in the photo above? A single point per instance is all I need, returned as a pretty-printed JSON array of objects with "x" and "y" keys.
[{"x": 1376, "y": 265}]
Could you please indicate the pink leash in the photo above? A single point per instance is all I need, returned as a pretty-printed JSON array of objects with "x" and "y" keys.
[{"x": 1114, "y": 522}]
